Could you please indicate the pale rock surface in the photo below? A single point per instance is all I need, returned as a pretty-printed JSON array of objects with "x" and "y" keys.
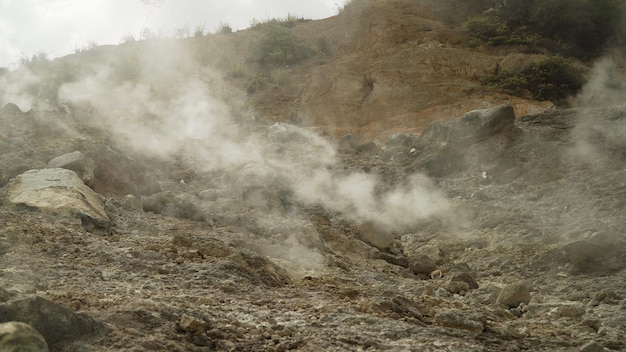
[
  {"x": 20, "y": 337},
  {"x": 60, "y": 192}
]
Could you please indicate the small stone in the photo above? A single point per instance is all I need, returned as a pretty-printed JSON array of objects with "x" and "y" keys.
[
  {"x": 458, "y": 287},
  {"x": 192, "y": 324},
  {"x": 592, "y": 323},
  {"x": 465, "y": 277},
  {"x": 131, "y": 202},
  {"x": 437, "y": 274},
  {"x": 512, "y": 295},
  {"x": 422, "y": 264},
  {"x": 592, "y": 346},
  {"x": 21, "y": 337},
  {"x": 456, "y": 319},
  {"x": 486, "y": 294},
  {"x": 571, "y": 311}
]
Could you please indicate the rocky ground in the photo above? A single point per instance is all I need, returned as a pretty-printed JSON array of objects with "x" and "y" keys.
[{"x": 514, "y": 240}]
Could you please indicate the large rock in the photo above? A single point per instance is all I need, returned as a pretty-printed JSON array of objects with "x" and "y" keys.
[
  {"x": 117, "y": 174},
  {"x": 11, "y": 109},
  {"x": 20, "y": 337},
  {"x": 60, "y": 192},
  {"x": 443, "y": 147},
  {"x": 72, "y": 161},
  {"x": 601, "y": 251},
  {"x": 260, "y": 186},
  {"x": 58, "y": 325},
  {"x": 473, "y": 126}
]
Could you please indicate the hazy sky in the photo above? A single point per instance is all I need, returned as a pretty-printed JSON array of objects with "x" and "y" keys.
[{"x": 57, "y": 27}]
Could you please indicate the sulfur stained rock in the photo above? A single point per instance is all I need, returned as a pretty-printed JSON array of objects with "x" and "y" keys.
[{"x": 21, "y": 337}]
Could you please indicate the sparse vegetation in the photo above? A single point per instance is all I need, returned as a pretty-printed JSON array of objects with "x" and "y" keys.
[
  {"x": 89, "y": 46},
  {"x": 288, "y": 21},
  {"x": 236, "y": 71},
  {"x": 552, "y": 79},
  {"x": 577, "y": 28},
  {"x": 278, "y": 46},
  {"x": 224, "y": 28},
  {"x": 342, "y": 8},
  {"x": 129, "y": 38},
  {"x": 199, "y": 32},
  {"x": 37, "y": 63},
  {"x": 147, "y": 34},
  {"x": 279, "y": 75},
  {"x": 258, "y": 81}
]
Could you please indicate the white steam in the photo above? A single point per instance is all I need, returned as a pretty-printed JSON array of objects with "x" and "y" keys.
[
  {"x": 171, "y": 105},
  {"x": 603, "y": 95},
  {"x": 357, "y": 196},
  {"x": 16, "y": 88}
]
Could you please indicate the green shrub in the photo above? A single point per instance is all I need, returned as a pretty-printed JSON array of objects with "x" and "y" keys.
[
  {"x": 257, "y": 82},
  {"x": 552, "y": 79},
  {"x": 488, "y": 29},
  {"x": 578, "y": 28},
  {"x": 278, "y": 46}
]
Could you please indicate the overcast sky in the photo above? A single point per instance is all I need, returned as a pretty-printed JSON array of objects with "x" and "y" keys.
[{"x": 58, "y": 27}]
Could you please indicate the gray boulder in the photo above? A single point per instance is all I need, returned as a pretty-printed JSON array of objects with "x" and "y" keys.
[
  {"x": 601, "y": 251},
  {"x": 20, "y": 337},
  {"x": 470, "y": 128},
  {"x": 514, "y": 294},
  {"x": 72, "y": 161},
  {"x": 60, "y": 192},
  {"x": 484, "y": 123},
  {"x": 170, "y": 204},
  {"x": 443, "y": 147},
  {"x": 117, "y": 174},
  {"x": 403, "y": 140},
  {"x": 348, "y": 144},
  {"x": 11, "y": 109},
  {"x": 259, "y": 186},
  {"x": 58, "y": 325}
]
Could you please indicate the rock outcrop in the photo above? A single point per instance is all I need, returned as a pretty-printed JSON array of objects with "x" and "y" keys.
[
  {"x": 57, "y": 324},
  {"x": 60, "y": 192}
]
